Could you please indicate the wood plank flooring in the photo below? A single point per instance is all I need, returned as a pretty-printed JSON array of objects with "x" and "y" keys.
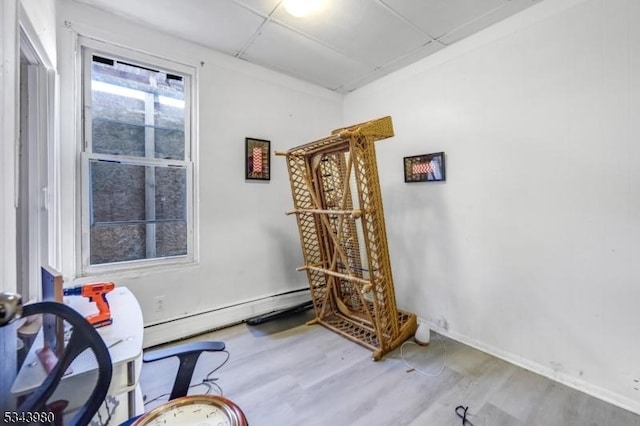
[{"x": 287, "y": 373}]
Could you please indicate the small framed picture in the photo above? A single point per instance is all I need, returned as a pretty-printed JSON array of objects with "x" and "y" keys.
[
  {"x": 257, "y": 159},
  {"x": 424, "y": 168}
]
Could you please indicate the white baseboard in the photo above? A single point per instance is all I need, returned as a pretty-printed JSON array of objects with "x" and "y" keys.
[
  {"x": 557, "y": 376},
  {"x": 157, "y": 334}
]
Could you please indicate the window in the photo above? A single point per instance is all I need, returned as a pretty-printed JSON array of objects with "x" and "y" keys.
[{"x": 137, "y": 165}]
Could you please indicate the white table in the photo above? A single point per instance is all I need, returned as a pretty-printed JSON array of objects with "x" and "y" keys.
[{"x": 124, "y": 340}]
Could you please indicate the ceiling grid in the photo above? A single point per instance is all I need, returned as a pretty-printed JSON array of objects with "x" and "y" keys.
[{"x": 343, "y": 46}]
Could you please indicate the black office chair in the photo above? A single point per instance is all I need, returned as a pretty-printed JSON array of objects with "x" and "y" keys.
[
  {"x": 84, "y": 336},
  {"x": 188, "y": 354}
]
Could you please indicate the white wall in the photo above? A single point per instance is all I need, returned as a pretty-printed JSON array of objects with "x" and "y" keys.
[
  {"x": 248, "y": 247},
  {"x": 529, "y": 250}
]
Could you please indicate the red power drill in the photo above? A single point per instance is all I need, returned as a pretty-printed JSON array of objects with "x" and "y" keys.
[{"x": 96, "y": 292}]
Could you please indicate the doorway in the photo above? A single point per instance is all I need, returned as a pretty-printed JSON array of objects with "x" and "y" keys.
[{"x": 32, "y": 216}]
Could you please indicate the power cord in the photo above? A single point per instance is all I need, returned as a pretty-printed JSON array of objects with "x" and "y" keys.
[
  {"x": 109, "y": 412},
  {"x": 463, "y": 416},
  {"x": 412, "y": 367},
  {"x": 208, "y": 381}
]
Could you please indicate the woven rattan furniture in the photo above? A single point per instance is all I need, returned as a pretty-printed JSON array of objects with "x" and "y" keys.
[{"x": 338, "y": 205}]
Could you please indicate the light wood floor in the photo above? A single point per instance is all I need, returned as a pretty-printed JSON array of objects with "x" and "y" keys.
[{"x": 287, "y": 373}]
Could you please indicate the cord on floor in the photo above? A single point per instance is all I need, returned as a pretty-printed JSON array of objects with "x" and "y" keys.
[
  {"x": 463, "y": 416},
  {"x": 413, "y": 367}
]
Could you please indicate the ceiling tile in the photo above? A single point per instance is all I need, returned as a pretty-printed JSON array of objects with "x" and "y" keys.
[
  {"x": 263, "y": 7},
  {"x": 222, "y": 25},
  {"x": 363, "y": 29},
  {"x": 439, "y": 17},
  {"x": 280, "y": 48}
]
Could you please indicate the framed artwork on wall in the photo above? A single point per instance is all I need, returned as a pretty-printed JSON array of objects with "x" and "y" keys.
[
  {"x": 424, "y": 168},
  {"x": 257, "y": 159}
]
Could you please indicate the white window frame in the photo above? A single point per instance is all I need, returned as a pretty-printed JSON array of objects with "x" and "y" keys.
[{"x": 88, "y": 47}]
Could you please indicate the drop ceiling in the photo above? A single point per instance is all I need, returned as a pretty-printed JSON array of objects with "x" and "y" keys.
[{"x": 343, "y": 46}]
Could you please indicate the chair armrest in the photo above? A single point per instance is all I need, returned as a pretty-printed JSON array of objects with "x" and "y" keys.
[
  {"x": 188, "y": 354},
  {"x": 183, "y": 349}
]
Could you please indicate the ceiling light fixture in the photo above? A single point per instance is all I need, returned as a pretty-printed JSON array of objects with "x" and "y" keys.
[{"x": 301, "y": 8}]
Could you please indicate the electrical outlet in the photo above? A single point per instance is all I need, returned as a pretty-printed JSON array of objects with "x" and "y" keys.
[
  {"x": 160, "y": 303},
  {"x": 636, "y": 384}
]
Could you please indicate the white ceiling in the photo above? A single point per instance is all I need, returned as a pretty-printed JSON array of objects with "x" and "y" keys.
[{"x": 343, "y": 46}]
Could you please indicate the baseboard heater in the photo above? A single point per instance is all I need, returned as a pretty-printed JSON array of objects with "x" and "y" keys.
[
  {"x": 260, "y": 319},
  {"x": 204, "y": 322}
]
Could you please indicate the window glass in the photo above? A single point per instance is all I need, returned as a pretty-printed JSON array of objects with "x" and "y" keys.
[
  {"x": 138, "y": 168},
  {"x": 136, "y": 111}
]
